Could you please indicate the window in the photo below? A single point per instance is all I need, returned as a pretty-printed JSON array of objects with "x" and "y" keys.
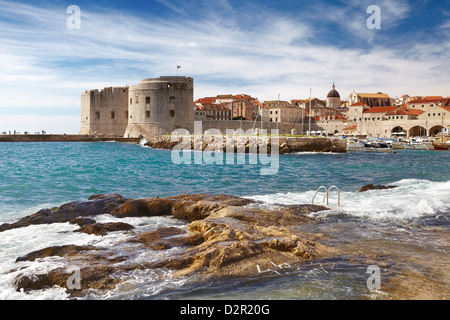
[
  {"x": 126, "y": 114},
  {"x": 172, "y": 99},
  {"x": 172, "y": 113},
  {"x": 429, "y": 114},
  {"x": 147, "y": 100},
  {"x": 131, "y": 101},
  {"x": 147, "y": 114},
  {"x": 113, "y": 115},
  {"x": 97, "y": 115}
]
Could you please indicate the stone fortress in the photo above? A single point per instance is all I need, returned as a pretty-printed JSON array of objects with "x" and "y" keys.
[
  {"x": 153, "y": 107},
  {"x": 159, "y": 106}
]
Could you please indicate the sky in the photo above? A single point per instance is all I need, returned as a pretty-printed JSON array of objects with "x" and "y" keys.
[{"x": 267, "y": 49}]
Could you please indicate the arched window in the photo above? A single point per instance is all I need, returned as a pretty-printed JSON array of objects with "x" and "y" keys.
[{"x": 147, "y": 100}]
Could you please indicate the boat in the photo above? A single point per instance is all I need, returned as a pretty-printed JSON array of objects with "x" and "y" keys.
[
  {"x": 440, "y": 146},
  {"x": 378, "y": 147},
  {"x": 398, "y": 145},
  {"x": 355, "y": 145}
]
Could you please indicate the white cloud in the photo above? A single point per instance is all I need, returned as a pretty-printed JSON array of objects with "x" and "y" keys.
[{"x": 254, "y": 51}]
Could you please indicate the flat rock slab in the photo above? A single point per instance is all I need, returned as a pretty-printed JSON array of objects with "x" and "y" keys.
[{"x": 224, "y": 236}]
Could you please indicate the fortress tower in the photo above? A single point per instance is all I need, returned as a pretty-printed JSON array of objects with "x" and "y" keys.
[
  {"x": 104, "y": 111},
  {"x": 153, "y": 107},
  {"x": 160, "y": 106}
]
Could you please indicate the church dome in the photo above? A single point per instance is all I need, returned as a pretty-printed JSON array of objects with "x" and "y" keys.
[{"x": 333, "y": 93}]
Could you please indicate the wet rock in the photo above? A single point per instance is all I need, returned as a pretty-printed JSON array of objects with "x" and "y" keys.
[
  {"x": 60, "y": 251},
  {"x": 224, "y": 236},
  {"x": 93, "y": 277},
  {"x": 144, "y": 208},
  {"x": 82, "y": 221},
  {"x": 166, "y": 238},
  {"x": 102, "y": 204},
  {"x": 375, "y": 187},
  {"x": 102, "y": 229},
  {"x": 198, "y": 207}
]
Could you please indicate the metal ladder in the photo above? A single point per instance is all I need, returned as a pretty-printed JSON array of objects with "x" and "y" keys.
[{"x": 327, "y": 195}]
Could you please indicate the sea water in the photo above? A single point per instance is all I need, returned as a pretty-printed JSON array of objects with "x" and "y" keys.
[{"x": 405, "y": 231}]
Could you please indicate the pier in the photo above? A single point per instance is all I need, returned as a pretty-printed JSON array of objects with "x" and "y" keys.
[{"x": 63, "y": 138}]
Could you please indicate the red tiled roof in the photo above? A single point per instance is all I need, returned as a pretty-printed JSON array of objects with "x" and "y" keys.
[
  {"x": 381, "y": 109},
  {"x": 427, "y": 100},
  {"x": 206, "y": 100},
  {"x": 404, "y": 112},
  {"x": 415, "y": 112},
  {"x": 351, "y": 128},
  {"x": 358, "y": 104}
]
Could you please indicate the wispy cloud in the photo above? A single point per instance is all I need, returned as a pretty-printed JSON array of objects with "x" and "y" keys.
[{"x": 226, "y": 48}]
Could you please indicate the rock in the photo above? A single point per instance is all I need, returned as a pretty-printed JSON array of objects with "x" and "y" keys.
[
  {"x": 224, "y": 236},
  {"x": 60, "y": 251},
  {"x": 99, "y": 205},
  {"x": 166, "y": 238},
  {"x": 375, "y": 187},
  {"x": 236, "y": 239},
  {"x": 197, "y": 207},
  {"x": 102, "y": 229},
  {"x": 144, "y": 208},
  {"x": 81, "y": 221},
  {"x": 93, "y": 277}
]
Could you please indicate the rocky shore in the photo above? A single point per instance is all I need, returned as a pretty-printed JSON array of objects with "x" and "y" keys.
[{"x": 222, "y": 236}]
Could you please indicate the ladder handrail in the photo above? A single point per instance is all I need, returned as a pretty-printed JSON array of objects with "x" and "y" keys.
[
  {"x": 320, "y": 188},
  {"x": 328, "y": 194},
  {"x": 339, "y": 194}
]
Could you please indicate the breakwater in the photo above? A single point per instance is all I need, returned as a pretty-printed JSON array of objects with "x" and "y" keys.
[
  {"x": 63, "y": 138},
  {"x": 249, "y": 143}
]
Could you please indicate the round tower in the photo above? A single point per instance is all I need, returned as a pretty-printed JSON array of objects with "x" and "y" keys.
[{"x": 159, "y": 106}]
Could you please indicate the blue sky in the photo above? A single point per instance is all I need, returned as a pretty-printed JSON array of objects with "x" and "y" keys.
[{"x": 262, "y": 48}]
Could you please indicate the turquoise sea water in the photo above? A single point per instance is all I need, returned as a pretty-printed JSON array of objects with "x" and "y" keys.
[
  {"x": 39, "y": 174},
  {"x": 42, "y": 175}
]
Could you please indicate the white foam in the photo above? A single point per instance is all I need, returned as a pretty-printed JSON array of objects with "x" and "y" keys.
[
  {"x": 412, "y": 199},
  {"x": 19, "y": 242}
]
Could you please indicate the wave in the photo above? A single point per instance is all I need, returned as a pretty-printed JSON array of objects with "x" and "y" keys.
[
  {"x": 19, "y": 242},
  {"x": 411, "y": 199}
]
